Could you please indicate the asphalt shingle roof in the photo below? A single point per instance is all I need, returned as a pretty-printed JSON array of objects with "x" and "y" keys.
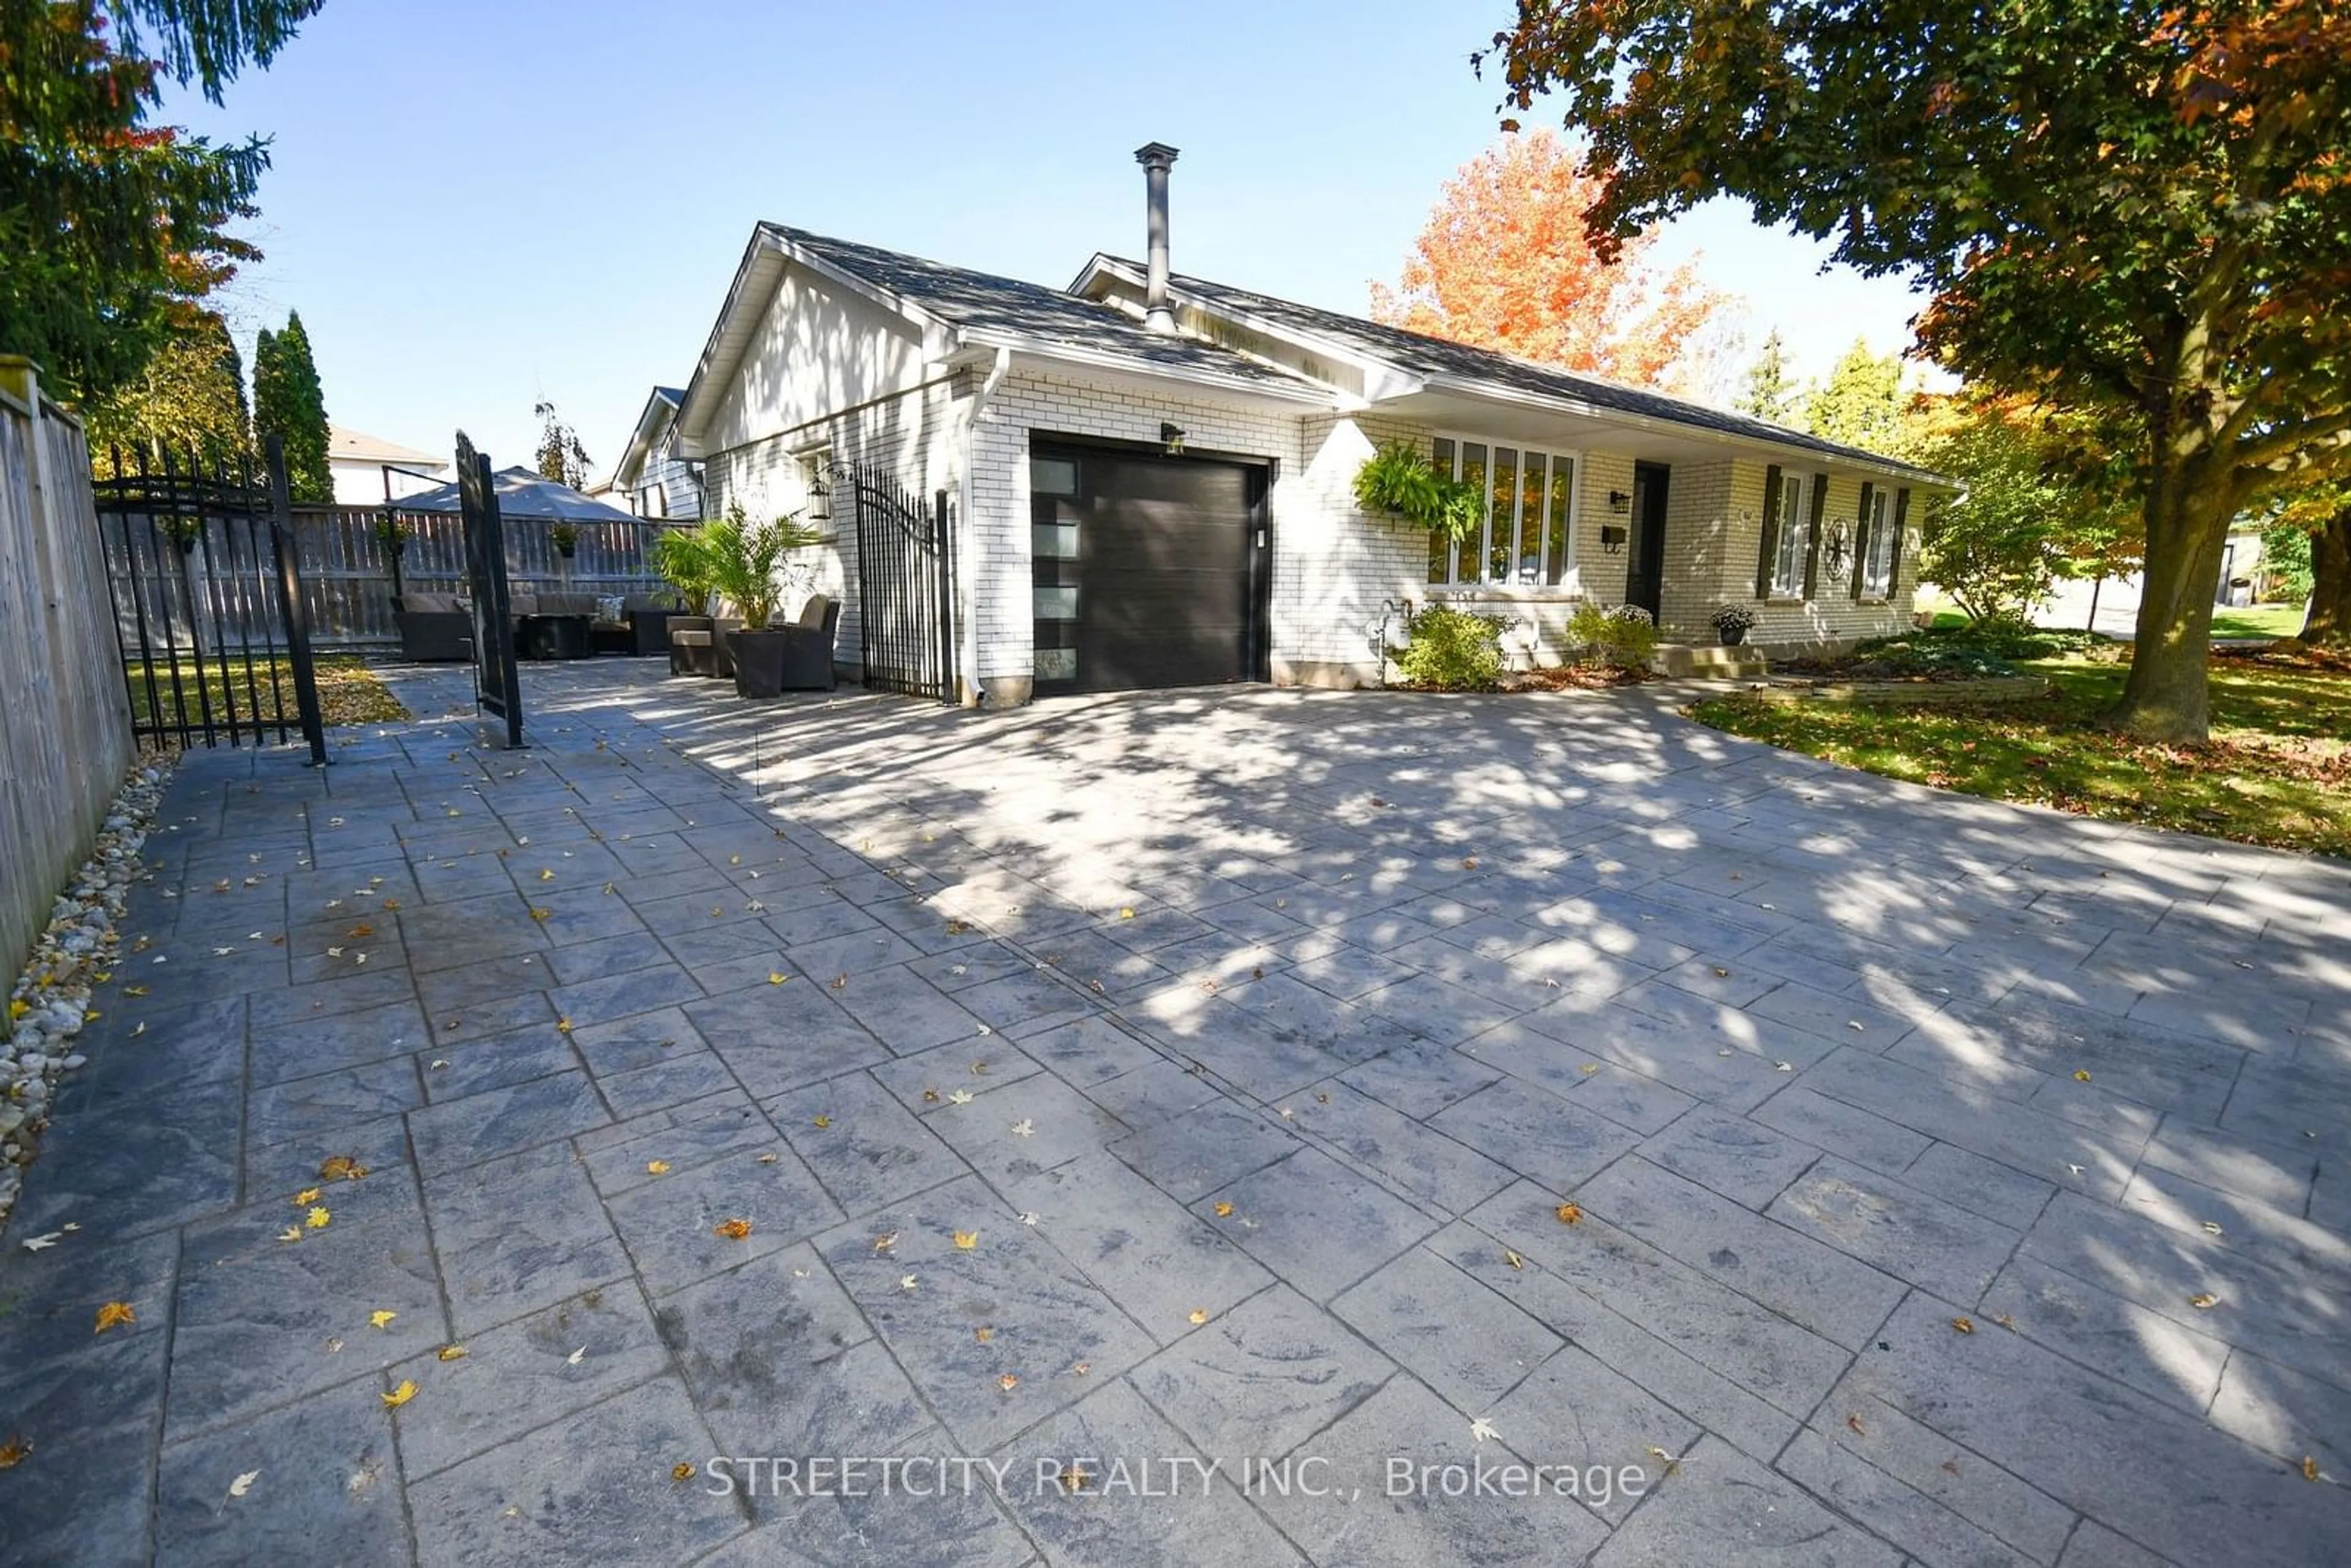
[
  {"x": 1023, "y": 313},
  {"x": 1425, "y": 355},
  {"x": 1030, "y": 312}
]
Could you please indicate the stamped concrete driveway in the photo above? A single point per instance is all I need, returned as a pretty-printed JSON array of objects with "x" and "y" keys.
[{"x": 1234, "y": 1128}]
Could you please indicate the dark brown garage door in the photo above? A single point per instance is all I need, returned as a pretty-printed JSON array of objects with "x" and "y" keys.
[{"x": 1144, "y": 569}]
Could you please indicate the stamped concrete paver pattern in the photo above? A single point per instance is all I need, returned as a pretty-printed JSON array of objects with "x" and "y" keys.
[{"x": 988, "y": 1123}]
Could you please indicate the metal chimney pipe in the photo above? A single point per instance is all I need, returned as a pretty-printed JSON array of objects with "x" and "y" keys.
[{"x": 1157, "y": 158}]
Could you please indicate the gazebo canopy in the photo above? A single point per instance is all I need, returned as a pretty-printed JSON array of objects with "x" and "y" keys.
[{"x": 523, "y": 493}]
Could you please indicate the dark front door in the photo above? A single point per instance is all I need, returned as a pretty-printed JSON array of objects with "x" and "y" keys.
[
  {"x": 1143, "y": 568},
  {"x": 1645, "y": 570}
]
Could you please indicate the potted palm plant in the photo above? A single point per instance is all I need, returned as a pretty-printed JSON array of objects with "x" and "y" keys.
[
  {"x": 685, "y": 559},
  {"x": 747, "y": 555},
  {"x": 565, "y": 538}
]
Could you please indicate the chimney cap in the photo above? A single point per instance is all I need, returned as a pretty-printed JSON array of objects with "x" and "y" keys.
[{"x": 1154, "y": 155}]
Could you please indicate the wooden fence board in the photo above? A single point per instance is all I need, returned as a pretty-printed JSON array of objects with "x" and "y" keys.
[
  {"x": 347, "y": 571},
  {"x": 65, "y": 719}
]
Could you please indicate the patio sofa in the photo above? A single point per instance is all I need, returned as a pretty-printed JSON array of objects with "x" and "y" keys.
[
  {"x": 640, "y": 631},
  {"x": 433, "y": 627}
]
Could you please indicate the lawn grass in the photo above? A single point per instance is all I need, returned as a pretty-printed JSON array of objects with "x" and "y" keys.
[
  {"x": 2258, "y": 621},
  {"x": 2277, "y": 770},
  {"x": 2253, "y": 621},
  {"x": 348, "y": 692}
]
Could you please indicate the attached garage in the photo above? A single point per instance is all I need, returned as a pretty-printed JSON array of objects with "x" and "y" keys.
[{"x": 1148, "y": 570}]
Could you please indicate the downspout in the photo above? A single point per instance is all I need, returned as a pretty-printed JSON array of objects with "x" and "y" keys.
[{"x": 974, "y": 695}]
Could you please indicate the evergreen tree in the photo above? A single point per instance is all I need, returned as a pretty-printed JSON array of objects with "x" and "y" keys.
[
  {"x": 1862, "y": 403},
  {"x": 287, "y": 404},
  {"x": 1769, "y": 394},
  {"x": 112, "y": 227}
]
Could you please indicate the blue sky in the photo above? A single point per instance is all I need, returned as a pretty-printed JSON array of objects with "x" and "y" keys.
[{"x": 477, "y": 205}]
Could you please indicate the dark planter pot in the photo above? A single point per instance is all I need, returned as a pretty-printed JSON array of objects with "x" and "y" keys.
[
  {"x": 1734, "y": 636},
  {"x": 758, "y": 663},
  {"x": 567, "y": 551},
  {"x": 722, "y": 648}
]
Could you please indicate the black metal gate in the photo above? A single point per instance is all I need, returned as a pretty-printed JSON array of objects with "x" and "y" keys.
[
  {"x": 905, "y": 587},
  {"x": 497, "y": 686},
  {"x": 205, "y": 582}
]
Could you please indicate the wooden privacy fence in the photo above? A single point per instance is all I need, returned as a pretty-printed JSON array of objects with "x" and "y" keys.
[
  {"x": 347, "y": 569},
  {"x": 65, "y": 721}
]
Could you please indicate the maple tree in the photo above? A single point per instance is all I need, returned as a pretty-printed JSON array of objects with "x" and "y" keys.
[
  {"x": 2322, "y": 512},
  {"x": 2132, "y": 208},
  {"x": 1506, "y": 261},
  {"x": 189, "y": 399},
  {"x": 2031, "y": 507}
]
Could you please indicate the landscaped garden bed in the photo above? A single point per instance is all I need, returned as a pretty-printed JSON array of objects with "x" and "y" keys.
[{"x": 349, "y": 691}]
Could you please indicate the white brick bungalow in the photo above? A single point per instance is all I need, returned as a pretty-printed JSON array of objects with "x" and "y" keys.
[{"x": 1140, "y": 503}]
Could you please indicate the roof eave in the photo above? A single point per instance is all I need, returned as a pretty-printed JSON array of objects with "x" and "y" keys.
[
  {"x": 658, "y": 415},
  {"x": 1853, "y": 457},
  {"x": 1295, "y": 394}
]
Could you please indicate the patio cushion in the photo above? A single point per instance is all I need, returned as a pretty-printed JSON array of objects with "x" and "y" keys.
[
  {"x": 566, "y": 604},
  {"x": 420, "y": 604},
  {"x": 522, "y": 604},
  {"x": 812, "y": 613}
]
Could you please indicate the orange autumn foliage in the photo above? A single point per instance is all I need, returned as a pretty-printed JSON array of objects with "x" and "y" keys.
[{"x": 1504, "y": 263}]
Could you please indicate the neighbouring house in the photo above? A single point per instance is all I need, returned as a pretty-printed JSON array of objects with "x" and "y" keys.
[
  {"x": 362, "y": 465},
  {"x": 1150, "y": 475},
  {"x": 651, "y": 480}
]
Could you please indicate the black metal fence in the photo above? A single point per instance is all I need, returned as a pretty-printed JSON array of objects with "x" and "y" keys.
[
  {"x": 497, "y": 689},
  {"x": 905, "y": 585},
  {"x": 207, "y": 597}
]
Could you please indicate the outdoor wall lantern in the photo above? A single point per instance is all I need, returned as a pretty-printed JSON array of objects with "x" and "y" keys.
[
  {"x": 1619, "y": 502},
  {"x": 1611, "y": 538},
  {"x": 820, "y": 499},
  {"x": 1171, "y": 438}
]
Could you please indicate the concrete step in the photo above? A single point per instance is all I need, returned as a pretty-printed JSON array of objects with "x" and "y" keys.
[{"x": 1742, "y": 662}]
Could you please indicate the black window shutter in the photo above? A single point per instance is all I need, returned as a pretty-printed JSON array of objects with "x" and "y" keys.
[
  {"x": 1894, "y": 557},
  {"x": 1813, "y": 554},
  {"x": 1771, "y": 542},
  {"x": 1861, "y": 532}
]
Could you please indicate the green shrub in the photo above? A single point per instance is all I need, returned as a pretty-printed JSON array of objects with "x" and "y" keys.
[
  {"x": 1624, "y": 638},
  {"x": 1986, "y": 647},
  {"x": 1451, "y": 650}
]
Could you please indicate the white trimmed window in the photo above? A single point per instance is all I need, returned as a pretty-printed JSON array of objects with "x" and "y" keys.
[
  {"x": 1526, "y": 537},
  {"x": 1877, "y": 548},
  {"x": 1795, "y": 537}
]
